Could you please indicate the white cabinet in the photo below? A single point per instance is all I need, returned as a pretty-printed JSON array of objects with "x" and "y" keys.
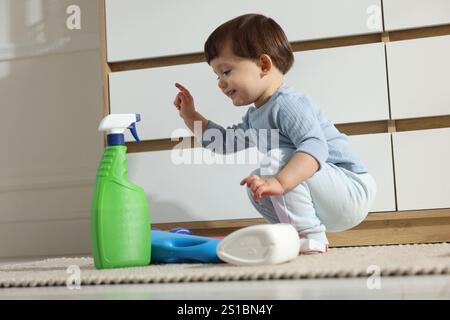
[
  {"x": 358, "y": 83},
  {"x": 198, "y": 185},
  {"x": 151, "y": 93},
  {"x": 401, "y": 14},
  {"x": 141, "y": 29},
  {"x": 340, "y": 81},
  {"x": 348, "y": 83},
  {"x": 419, "y": 77},
  {"x": 376, "y": 152},
  {"x": 422, "y": 171},
  {"x": 203, "y": 190}
]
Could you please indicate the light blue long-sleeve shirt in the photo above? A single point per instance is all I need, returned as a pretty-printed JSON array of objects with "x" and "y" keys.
[{"x": 292, "y": 121}]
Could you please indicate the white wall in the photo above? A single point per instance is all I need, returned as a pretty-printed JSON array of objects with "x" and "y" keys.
[{"x": 50, "y": 107}]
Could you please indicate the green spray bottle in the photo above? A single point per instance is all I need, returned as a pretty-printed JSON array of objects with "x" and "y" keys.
[{"x": 120, "y": 221}]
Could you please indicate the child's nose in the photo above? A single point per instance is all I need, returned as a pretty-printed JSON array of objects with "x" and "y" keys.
[{"x": 222, "y": 84}]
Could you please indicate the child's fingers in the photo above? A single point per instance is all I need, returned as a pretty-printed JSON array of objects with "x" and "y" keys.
[
  {"x": 259, "y": 192},
  {"x": 183, "y": 89},
  {"x": 180, "y": 87},
  {"x": 184, "y": 99},
  {"x": 186, "y": 95},
  {"x": 243, "y": 181},
  {"x": 256, "y": 195},
  {"x": 252, "y": 182},
  {"x": 249, "y": 180},
  {"x": 177, "y": 102},
  {"x": 255, "y": 185}
]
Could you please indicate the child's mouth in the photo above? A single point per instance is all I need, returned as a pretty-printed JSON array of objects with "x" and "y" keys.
[{"x": 231, "y": 93}]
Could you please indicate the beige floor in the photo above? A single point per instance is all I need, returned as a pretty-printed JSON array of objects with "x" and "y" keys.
[
  {"x": 421, "y": 287},
  {"x": 417, "y": 287}
]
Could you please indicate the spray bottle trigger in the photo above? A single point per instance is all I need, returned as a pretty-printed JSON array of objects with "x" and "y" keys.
[{"x": 133, "y": 132}]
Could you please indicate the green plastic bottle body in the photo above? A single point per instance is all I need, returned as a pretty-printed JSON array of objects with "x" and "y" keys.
[{"x": 120, "y": 221}]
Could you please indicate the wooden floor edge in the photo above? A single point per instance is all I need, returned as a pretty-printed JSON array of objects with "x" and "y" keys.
[{"x": 403, "y": 227}]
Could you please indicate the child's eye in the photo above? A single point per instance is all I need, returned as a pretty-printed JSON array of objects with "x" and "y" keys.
[{"x": 225, "y": 73}]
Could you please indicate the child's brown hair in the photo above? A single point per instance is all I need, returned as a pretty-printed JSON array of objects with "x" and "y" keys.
[{"x": 250, "y": 36}]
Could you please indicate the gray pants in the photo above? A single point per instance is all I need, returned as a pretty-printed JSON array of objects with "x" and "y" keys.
[{"x": 333, "y": 199}]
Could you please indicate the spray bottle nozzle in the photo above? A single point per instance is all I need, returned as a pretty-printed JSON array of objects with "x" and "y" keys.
[
  {"x": 133, "y": 132},
  {"x": 116, "y": 124}
]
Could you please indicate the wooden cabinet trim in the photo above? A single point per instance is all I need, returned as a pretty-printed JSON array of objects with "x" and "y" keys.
[
  {"x": 395, "y": 227},
  {"x": 358, "y": 128},
  {"x": 306, "y": 45}
]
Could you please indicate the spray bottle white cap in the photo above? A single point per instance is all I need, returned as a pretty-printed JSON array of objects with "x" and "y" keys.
[{"x": 116, "y": 124}]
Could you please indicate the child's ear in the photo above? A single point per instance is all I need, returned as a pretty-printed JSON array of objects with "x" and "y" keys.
[{"x": 265, "y": 63}]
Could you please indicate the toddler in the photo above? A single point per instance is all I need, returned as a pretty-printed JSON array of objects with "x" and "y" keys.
[{"x": 313, "y": 179}]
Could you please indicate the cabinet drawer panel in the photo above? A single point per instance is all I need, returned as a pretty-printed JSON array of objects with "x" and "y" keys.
[
  {"x": 422, "y": 172},
  {"x": 419, "y": 77},
  {"x": 141, "y": 29},
  {"x": 348, "y": 84},
  {"x": 376, "y": 153},
  {"x": 151, "y": 93},
  {"x": 193, "y": 192},
  {"x": 401, "y": 14}
]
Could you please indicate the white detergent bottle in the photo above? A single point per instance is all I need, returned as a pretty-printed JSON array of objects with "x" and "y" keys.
[{"x": 260, "y": 244}]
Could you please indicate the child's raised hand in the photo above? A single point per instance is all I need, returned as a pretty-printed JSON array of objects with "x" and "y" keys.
[
  {"x": 263, "y": 187},
  {"x": 184, "y": 102}
]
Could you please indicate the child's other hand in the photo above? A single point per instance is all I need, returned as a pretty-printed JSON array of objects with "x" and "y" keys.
[
  {"x": 184, "y": 102},
  {"x": 263, "y": 187}
]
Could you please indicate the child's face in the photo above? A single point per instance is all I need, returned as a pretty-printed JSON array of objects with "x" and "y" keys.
[{"x": 239, "y": 78}]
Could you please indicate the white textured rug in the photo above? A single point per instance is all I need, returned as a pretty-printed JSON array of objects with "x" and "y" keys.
[{"x": 337, "y": 263}]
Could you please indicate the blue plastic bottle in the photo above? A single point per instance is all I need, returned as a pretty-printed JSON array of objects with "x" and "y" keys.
[{"x": 169, "y": 247}]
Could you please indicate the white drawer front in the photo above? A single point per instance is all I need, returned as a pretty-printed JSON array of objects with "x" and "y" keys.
[
  {"x": 422, "y": 172},
  {"x": 401, "y": 14},
  {"x": 419, "y": 77},
  {"x": 200, "y": 192},
  {"x": 151, "y": 93},
  {"x": 193, "y": 192},
  {"x": 348, "y": 84},
  {"x": 376, "y": 153},
  {"x": 140, "y": 28}
]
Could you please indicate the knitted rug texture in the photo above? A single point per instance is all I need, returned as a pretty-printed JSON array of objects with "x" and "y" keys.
[{"x": 391, "y": 260}]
